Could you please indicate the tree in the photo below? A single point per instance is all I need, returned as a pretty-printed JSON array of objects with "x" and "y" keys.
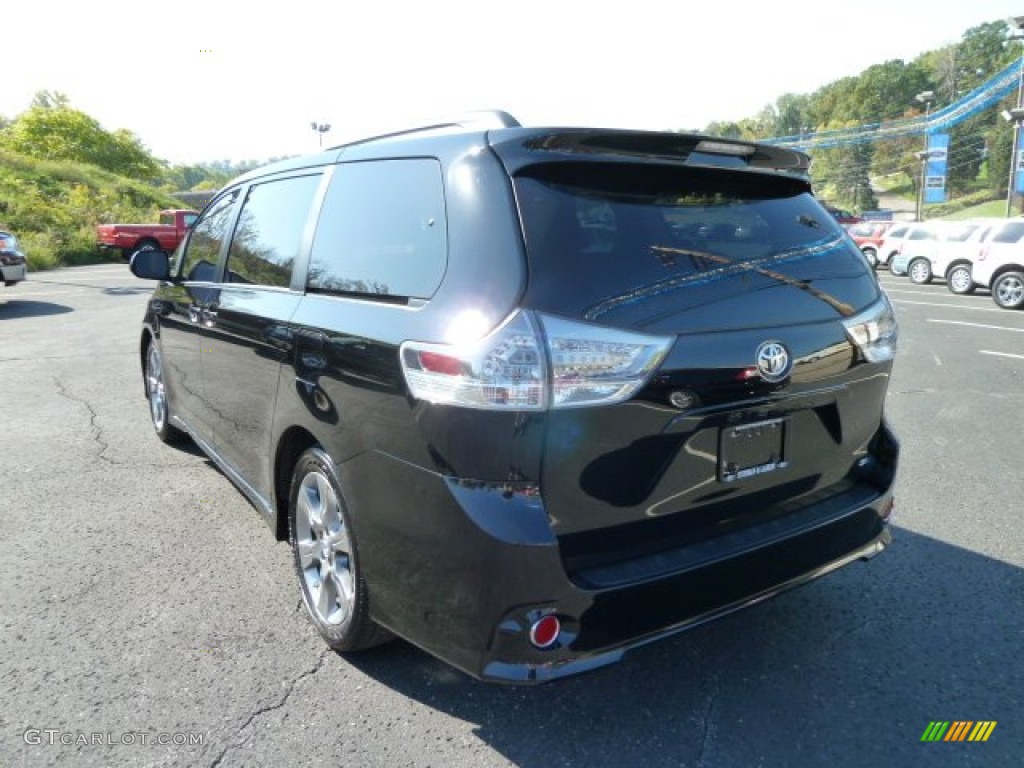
[{"x": 57, "y": 132}]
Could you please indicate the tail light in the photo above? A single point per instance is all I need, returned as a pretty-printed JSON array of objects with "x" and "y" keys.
[
  {"x": 875, "y": 331},
  {"x": 533, "y": 362}
]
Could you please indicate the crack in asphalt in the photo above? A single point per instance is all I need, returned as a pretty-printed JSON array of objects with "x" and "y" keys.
[
  {"x": 97, "y": 430},
  {"x": 268, "y": 708}
]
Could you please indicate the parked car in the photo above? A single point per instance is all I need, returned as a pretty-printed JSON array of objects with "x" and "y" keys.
[
  {"x": 891, "y": 243},
  {"x": 869, "y": 235},
  {"x": 920, "y": 239},
  {"x": 13, "y": 264},
  {"x": 531, "y": 397},
  {"x": 956, "y": 259},
  {"x": 1000, "y": 264},
  {"x": 142, "y": 237},
  {"x": 846, "y": 218},
  {"x": 955, "y": 243}
]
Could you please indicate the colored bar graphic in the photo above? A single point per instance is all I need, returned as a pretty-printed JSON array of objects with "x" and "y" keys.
[
  {"x": 982, "y": 730},
  {"x": 959, "y": 730}
]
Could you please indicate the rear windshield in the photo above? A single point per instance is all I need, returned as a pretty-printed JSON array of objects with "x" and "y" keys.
[{"x": 606, "y": 230}]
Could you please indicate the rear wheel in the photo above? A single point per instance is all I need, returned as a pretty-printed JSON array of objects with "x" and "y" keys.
[
  {"x": 326, "y": 559},
  {"x": 142, "y": 245},
  {"x": 959, "y": 281},
  {"x": 1008, "y": 290},
  {"x": 872, "y": 256},
  {"x": 920, "y": 271}
]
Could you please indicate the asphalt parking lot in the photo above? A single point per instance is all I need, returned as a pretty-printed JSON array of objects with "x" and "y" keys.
[{"x": 143, "y": 600}]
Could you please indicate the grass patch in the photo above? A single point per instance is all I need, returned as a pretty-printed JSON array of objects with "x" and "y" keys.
[{"x": 993, "y": 208}]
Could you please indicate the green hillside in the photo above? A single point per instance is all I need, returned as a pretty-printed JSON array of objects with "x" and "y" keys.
[{"x": 54, "y": 207}]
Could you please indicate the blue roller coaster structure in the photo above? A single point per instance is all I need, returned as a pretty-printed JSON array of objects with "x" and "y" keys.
[{"x": 969, "y": 105}]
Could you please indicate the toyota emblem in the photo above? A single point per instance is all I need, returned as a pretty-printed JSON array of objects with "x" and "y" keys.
[{"x": 773, "y": 361}]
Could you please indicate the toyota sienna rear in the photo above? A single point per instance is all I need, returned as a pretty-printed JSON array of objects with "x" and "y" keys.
[{"x": 534, "y": 397}]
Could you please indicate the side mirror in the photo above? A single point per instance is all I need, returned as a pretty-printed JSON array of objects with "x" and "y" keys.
[{"x": 150, "y": 265}]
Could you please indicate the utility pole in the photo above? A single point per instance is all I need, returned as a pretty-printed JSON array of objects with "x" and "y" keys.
[
  {"x": 926, "y": 98},
  {"x": 1015, "y": 116}
]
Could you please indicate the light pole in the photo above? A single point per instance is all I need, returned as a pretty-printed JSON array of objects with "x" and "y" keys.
[
  {"x": 1016, "y": 25},
  {"x": 321, "y": 129},
  {"x": 926, "y": 98}
]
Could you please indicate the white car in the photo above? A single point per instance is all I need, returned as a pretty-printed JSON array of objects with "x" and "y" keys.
[
  {"x": 920, "y": 240},
  {"x": 891, "y": 243},
  {"x": 957, "y": 245},
  {"x": 1000, "y": 264}
]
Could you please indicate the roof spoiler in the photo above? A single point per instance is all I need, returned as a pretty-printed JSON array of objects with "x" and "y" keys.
[{"x": 691, "y": 149}]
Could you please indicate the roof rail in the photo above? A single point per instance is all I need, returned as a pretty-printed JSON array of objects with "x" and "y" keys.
[{"x": 479, "y": 120}]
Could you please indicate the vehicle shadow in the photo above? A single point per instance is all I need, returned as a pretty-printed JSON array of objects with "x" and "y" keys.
[
  {"x": 18, "y": 308},
  {"x": 856, "y": 664}
]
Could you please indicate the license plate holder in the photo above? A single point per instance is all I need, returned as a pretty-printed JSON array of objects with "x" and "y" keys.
[{"x": 749, "y": 450}]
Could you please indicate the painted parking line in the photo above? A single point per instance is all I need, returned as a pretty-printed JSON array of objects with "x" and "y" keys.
[
  {"x": 1001, "y": 354},
  {"x": 949, "y": 306},
  {"x": 978, "y": 325}
]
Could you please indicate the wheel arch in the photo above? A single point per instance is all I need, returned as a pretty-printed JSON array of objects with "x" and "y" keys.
[
  {"x": 290, "y": 446},
  {"x": 961, "y": 262},
  {"x": 1000, "y": 271}
]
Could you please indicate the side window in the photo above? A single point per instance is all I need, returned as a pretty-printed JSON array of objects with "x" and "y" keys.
[
  {"x": 189, "y": 219},
  {"x": 898, "y": 232},
  {"x": 382, "y": 230},
  {"x": 199, "y": 261},
  {"x": 269, "y": 231},
  {"x": 1010, "y": 233}
]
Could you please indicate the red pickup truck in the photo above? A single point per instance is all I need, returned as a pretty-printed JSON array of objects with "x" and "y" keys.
[{"x": 130, "y": 238}]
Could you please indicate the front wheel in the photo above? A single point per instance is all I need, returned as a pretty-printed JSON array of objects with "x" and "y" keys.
[
  {"x": 920, "y": 271},
  {"x": 872, "y": 256},
  {"x": 159, "y": 412},
  {"x": 959, "y": 281},
  {"x": 326, "y": 559},
  {"x": 1008, "y": 290}
]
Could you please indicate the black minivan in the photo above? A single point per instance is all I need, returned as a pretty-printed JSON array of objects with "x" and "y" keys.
[{"x": 531, "y": 397}]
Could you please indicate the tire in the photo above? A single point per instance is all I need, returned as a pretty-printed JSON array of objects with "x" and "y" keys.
[
  {"x": 159, "y": 410},
  {"x": 872, "y": 256},
  {"x": 142, "y": 245},
  {"x": 1008, "y": 290},
  {"x": 919, "y": 271},
  {"x": 958, "y": 280},
  {"x": 326, "y": 559}
]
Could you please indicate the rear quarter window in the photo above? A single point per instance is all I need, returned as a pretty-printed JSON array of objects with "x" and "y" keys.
[{"x": 382, "y": 231}]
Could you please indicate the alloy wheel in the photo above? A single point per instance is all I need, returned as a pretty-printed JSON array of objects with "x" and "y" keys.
[
  {"x": 155, "y": 387},
  {"x": 1010, "y": 291},
  {"x": 324, "y": 550},
  {"x": 960, "y": 280},
  {"x": 920, "y": 272}
]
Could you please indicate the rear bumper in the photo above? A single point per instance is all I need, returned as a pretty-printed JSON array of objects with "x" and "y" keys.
[{"x": 463, "y": 568}]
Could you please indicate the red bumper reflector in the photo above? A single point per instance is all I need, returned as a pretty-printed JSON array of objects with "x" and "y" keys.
[{"x": 545, "y": 630}]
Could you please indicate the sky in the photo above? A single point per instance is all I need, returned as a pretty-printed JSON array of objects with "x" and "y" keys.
[{"x": 213, "y": 80}]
